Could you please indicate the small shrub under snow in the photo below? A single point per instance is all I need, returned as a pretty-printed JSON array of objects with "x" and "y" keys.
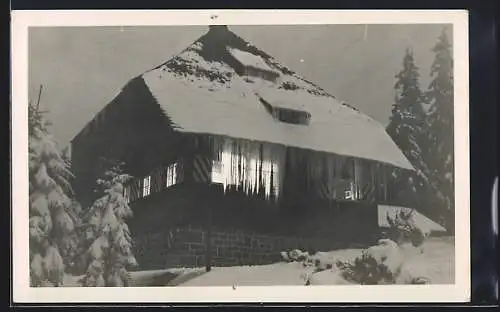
[
  {"x": 383, "y": 263},
  {"x": 403, "y": 229}
]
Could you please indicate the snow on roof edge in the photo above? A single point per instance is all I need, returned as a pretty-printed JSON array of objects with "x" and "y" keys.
[{"x": 182, "y": 130}]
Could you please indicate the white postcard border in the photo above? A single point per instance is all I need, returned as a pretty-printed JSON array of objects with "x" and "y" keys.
[{"x": 21, "y": 20}]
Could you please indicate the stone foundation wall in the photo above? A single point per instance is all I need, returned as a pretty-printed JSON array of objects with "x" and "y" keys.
[
  {"x": 186, "y": 247},
  {"x": 168, "y": 228}
]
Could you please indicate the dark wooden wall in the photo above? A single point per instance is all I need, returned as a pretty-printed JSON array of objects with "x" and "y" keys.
[
  {"x": 319, "y": 225},
  {"x": 132, "y": 129},
  {"x": 192, "y": 204}
]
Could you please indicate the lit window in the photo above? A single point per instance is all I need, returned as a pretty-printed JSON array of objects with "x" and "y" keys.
[
  {"x": 146, "y": 186},
  {"x": 218, "y": 172},
  {"x": 171, "y": 175},
  {"x": 349, "y": 192},
  {"x": 235, "y": 169},
  {"x": 344, "y": 185}
]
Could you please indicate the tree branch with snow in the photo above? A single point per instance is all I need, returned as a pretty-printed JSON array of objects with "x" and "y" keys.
[
  {"x": 109, "y": 244},
  {"x": 51, "y": 210}
]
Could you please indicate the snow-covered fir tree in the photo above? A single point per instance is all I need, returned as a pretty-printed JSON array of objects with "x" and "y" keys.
[
  {"x": 66, "y": 155},
  {"x": 51, "y": 210},
  {"x": 407, "y": 128},
  {"x": 440, "y": 157},
  {"x": 109, "y": 253}
]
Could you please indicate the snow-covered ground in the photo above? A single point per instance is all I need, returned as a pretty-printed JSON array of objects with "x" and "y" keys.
[
  {"x": 437, "y": 262},
  {"x": 167, "y": 277}
]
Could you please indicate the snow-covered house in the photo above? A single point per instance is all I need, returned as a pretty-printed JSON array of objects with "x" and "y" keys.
[{"x": 236, "y": 157}]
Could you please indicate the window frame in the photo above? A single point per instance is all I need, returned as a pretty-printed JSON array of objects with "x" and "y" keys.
[
  {"x": 146, "y": 187},
  {"x": 171, "y": 175},
  {"x": 220, "y": 176}
]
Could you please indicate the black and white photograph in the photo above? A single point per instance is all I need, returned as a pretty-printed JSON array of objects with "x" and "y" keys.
[{"x": 235, "y": 156}]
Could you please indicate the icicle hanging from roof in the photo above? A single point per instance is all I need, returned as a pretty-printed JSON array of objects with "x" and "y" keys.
[
  {"x": 250, "y": 166},
  {"x": 258, "y": 168}
]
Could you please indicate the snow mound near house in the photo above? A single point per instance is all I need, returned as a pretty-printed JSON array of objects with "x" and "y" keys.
[{"x": 436, "y": 263}]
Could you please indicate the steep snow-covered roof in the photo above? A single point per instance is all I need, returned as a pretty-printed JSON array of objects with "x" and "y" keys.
[{"x": 201, "y": 93}]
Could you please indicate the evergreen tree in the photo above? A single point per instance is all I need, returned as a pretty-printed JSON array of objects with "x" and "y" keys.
[
  {"x": 52, "y": 219},
  {"x": 408, "y": 130},
  {"x": 109, "y": 253},
  {"x": 65, "y": 154},
  {"x": 440, "y": 119}
]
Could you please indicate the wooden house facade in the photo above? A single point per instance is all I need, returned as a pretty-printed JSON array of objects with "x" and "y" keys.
[{"x": 236, "y": 158}]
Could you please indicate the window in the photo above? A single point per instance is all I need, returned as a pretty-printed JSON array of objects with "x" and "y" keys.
[
  {"x": 338, "y": 190},
  {"x": 156, "y": 181},
  {"x": 250, "y": 172},
  {"x": 341, "y": 180},
  {"x": 146, "y": 186},
  {"x": 268, "y": 175},
  {"x": 288, "y": 115},
  {"x": 218, "y": 172},
  {"x": 349, "y": 192},
  {"x": 292, "y": 116},
  {"x": 171, "y": 175}
]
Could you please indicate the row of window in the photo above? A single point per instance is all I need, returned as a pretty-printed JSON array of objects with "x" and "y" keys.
[
  {"x": 160, "y": 179},
  {"x": 170, "y": 178},
  {"x": 232, "y": 169}
]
